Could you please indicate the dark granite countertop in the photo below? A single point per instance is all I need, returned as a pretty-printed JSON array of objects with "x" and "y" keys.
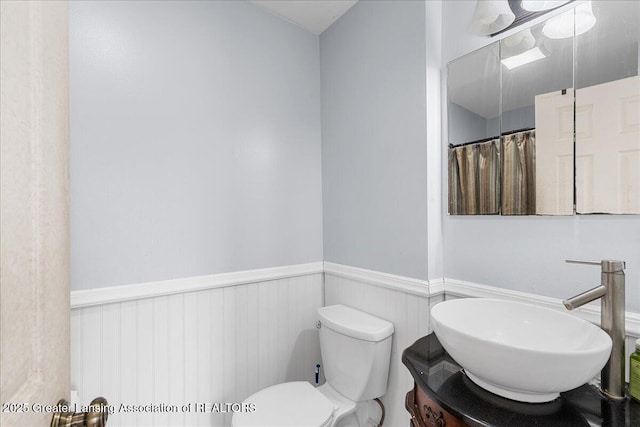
[{"x": 445, "y": 382}]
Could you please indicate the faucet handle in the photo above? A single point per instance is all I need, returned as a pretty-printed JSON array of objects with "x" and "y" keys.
[{"x": 608, "y": 265}]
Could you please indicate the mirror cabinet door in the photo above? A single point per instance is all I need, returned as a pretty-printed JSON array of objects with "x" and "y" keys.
[
  {"x": 473, "y": 86},
  {"x": 523, "y": 142},
  {"x": 608, "y": 110},
  {"x": 537, "y": 123}
]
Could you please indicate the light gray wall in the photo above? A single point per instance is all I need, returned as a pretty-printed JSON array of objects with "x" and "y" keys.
[
  {"x": 467, "y": 125},
  {"x": 528, "y": 253},
  {"x": 374, "y": 152},
  {"x": 520, "y": 118},
  {"x": 195, "y": 141}
]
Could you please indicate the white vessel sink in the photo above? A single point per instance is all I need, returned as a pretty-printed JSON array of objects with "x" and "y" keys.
[{"x": 520, "y": 351}]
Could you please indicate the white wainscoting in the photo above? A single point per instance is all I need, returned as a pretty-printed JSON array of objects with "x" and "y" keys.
[
  {"x": 213, "y": 339},
  {"x": 220, "y": 338},
  {"x": 400, "y": 300}
]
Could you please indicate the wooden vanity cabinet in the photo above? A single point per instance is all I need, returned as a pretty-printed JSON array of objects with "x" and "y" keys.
[{"x": 425, "y": 412}]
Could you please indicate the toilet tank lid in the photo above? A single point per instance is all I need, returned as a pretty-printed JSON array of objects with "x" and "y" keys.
[{"x": 354, "y": 323}]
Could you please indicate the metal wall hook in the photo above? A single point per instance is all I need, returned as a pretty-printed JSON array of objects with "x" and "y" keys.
[{"x": 96, "y": 416}]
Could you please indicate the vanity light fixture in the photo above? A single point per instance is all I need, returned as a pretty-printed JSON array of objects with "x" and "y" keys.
[
  {"x": 562, "y": 26},
  {"x": 526, "y": 57},
  {"x": 491, "y": 16},
  {"x": 539, "y": 5}
]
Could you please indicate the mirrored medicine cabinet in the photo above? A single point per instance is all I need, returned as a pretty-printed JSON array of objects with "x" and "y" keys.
[{"x": 547, "y": 120}]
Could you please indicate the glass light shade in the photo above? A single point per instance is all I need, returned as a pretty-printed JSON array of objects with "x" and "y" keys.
[
  {"x": 539, "y": 5},
  {"x": 491, "y": 16},
  {"x": 517, "y": 43},
  {"x": 562, "y": 26}
]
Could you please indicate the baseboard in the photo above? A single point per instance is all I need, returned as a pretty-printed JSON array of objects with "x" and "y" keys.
[{"x": 86, "y": 298}]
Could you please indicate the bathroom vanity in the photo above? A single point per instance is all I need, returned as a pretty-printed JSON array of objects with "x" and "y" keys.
[{"x": 443, "y": 396}]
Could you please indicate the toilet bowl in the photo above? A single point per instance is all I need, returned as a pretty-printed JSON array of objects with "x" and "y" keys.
[
  {"x": 356, "y": 351},
  {"x": 285, "y": 405}
]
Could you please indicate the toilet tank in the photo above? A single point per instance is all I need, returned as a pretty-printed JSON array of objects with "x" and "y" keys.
[{"x": 356, "y": 351}]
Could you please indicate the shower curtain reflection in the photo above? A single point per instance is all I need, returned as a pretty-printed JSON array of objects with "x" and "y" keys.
[
  {"x": 518, "y": 187},
  {"x": 494, "y": 176},
  {"x": 474, "y": 178}
]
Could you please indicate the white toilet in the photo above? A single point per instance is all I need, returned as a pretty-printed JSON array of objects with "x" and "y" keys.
[{"x": 356, "y": 350}]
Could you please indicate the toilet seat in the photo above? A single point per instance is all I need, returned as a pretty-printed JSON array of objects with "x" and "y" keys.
[{"x": 292, "y": 404}]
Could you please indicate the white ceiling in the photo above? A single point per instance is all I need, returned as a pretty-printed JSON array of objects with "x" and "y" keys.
[{"x": 312, "y": 15}]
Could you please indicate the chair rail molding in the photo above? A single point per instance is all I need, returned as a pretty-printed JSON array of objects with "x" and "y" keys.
[
  {"x": 111, "y": 294},
  {"x": 390, "y": 281}
]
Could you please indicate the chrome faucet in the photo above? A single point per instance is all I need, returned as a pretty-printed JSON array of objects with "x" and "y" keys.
[{"x": 611, "y": 292}]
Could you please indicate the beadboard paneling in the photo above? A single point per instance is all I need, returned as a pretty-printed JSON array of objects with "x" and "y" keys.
[
  {"x": 408, "y": 310},
  {"x": 208, "y": 345}
]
